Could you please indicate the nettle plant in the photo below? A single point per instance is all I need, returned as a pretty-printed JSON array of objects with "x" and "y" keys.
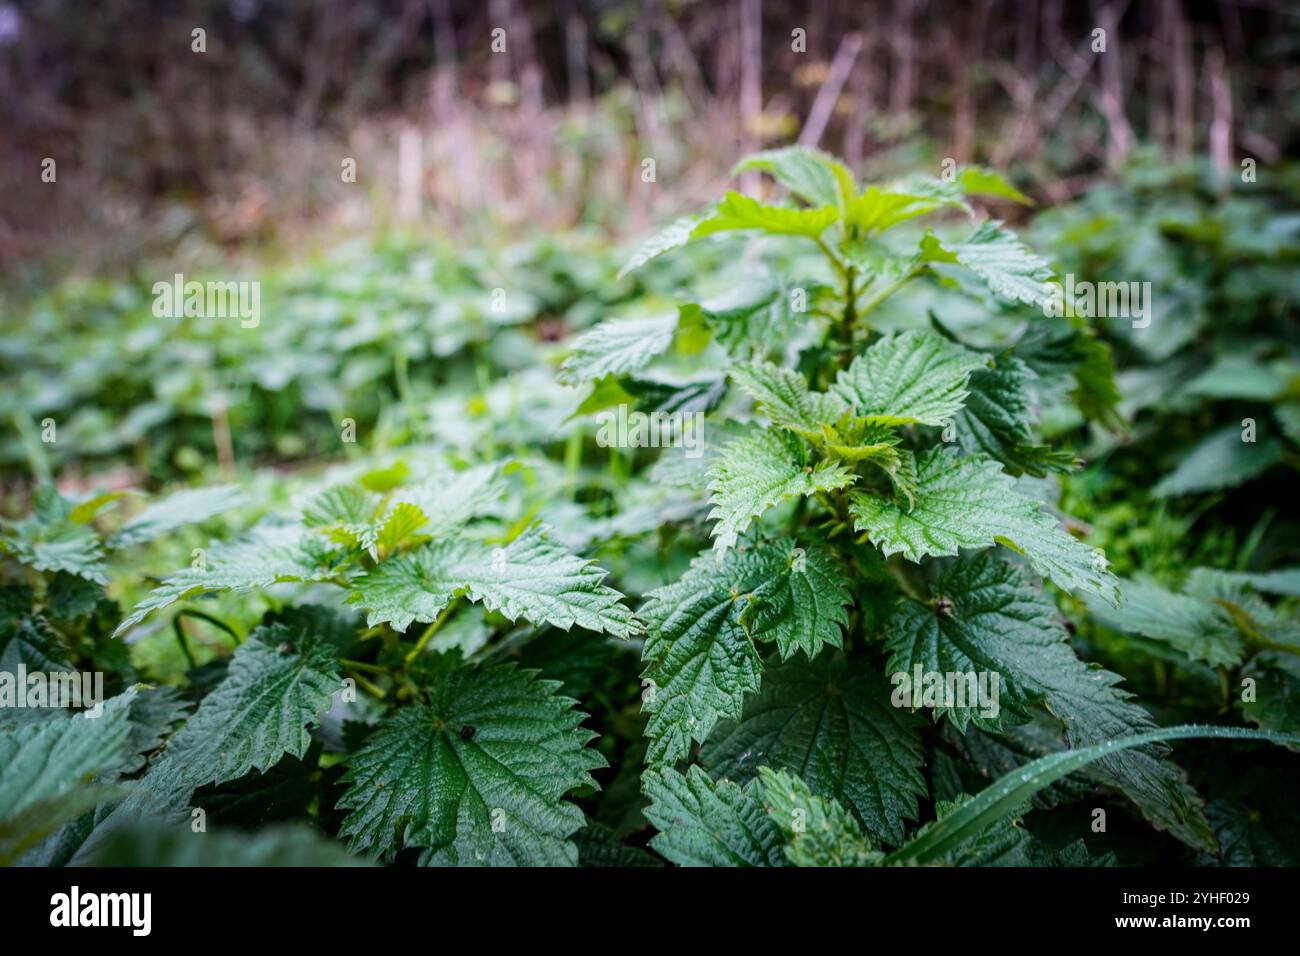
[{"x": 872, "y": 513}]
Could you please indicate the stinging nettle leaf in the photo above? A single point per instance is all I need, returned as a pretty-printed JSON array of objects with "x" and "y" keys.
[
  {"x": 703, "y": 823},
  {"x": 617, "y": 347},
  {"x": 812, "y": 175},
  {"x": 997, "y": 256},
  {"x": 476, "y": 776},
  {"x": 969, "y": 502},
  {"x": 758, "y": 472},
  {"x": 699, "y": 648},
  {"x": 831, "y": 722},
  {"x": 532, "y": 577},
  {"x": 909, "y": 378},
  {"x": 266, "y": 555},
  {"x": 818, "y": 831}
]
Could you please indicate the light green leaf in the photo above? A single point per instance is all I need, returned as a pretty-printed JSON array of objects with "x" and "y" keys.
[
  {"x": 997, "y": 256},
  {"x": 877, "y": 209},
  {"x": 814, "y": 176},
  {"x": 980, "y": 181},
  {"x": 968, "y": 502},
  {"x": 617, "y": 347},
  {"x": 783, "y": 396},
  {"x": 671, "y": 237},
  {"x": 267, "y": 555},
  {"x": 532, "y": 577},
  {"x": 51, "y": 540},
  {"x": 758, "y": 472},
  {"x": 909, "y": 378},
  {"x": 175, "y": 511},
  {"x": 737, "y": 211}
]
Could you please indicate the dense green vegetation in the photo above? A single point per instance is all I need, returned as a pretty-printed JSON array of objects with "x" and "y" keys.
[{"x": 391, "y": 594}]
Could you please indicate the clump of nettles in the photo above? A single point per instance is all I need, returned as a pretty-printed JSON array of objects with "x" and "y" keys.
[{"x": 873, "y": 513}]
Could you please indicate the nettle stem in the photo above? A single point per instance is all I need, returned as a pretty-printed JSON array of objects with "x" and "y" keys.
[{"x": 432, "y": 629}]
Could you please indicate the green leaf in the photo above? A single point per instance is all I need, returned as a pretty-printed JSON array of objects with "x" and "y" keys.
[
  {"x": 277, "y": 684},
  {"x": 1282, "y": 581},
  {"x": 617, "y": 347},
  {"x": 44, "y": 760},
  {"x": 783, "y": 396},
  {"x": 532, "y": 577},
  {"x": 50, "y": 539},
  {"x": 978, "y": 180},
  {"x": 1012, "y": 791},
  {"x": 175, "y": 511},
  {"x": 702, "y": 823},
  {"x": 757, "y": 314},
  {"x": 33, "y": 643},
  {"x": 600, "y": 846},
  {"x": 997, "y": 256},
  {"x": 875, "y": 210},
  {"x": 737, "y": 211},
  {"x": 476, "y": 776},
  {"x": 400, "y": 526},
  {"x": 699, "y": 644},
  {"x": 830, "y": 721},
  {"x": 671, "y": 237},
  {"x": 803, "y": 606},
  {"x": 813, "y": 176},
  {"x": 344, "y": 512},
  {"x": 968, "y": 502},
  {"x": 293, "y": 845},
  {"x": 50, "y": 771},
  {"x": 758, "y": 472},
  {"x": 987, "y": 617},
  {"x": 1276, "y": 704},
  {"x": 267, "y": 555},
  {"x": 1198, "y": 628},
  {"x": 818, "y": 832},
  {"x": 998, "y": 419},
  {"x": 448, "y": 499},
  {"x": 1220, "y": 460},
  {"x": 909, "y": 378}
]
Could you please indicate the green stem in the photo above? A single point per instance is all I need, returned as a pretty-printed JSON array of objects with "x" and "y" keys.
[
  {"x": 371, "y": 689},
  {"x": 886, "y": 292},
  {"x": 180, "y": 639},
  {"x": 834, "y": 260},
  {"x": 215, "y": 622},
  {"x": 432, "y": 629},
  {"x": 363, "y": 666}
]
